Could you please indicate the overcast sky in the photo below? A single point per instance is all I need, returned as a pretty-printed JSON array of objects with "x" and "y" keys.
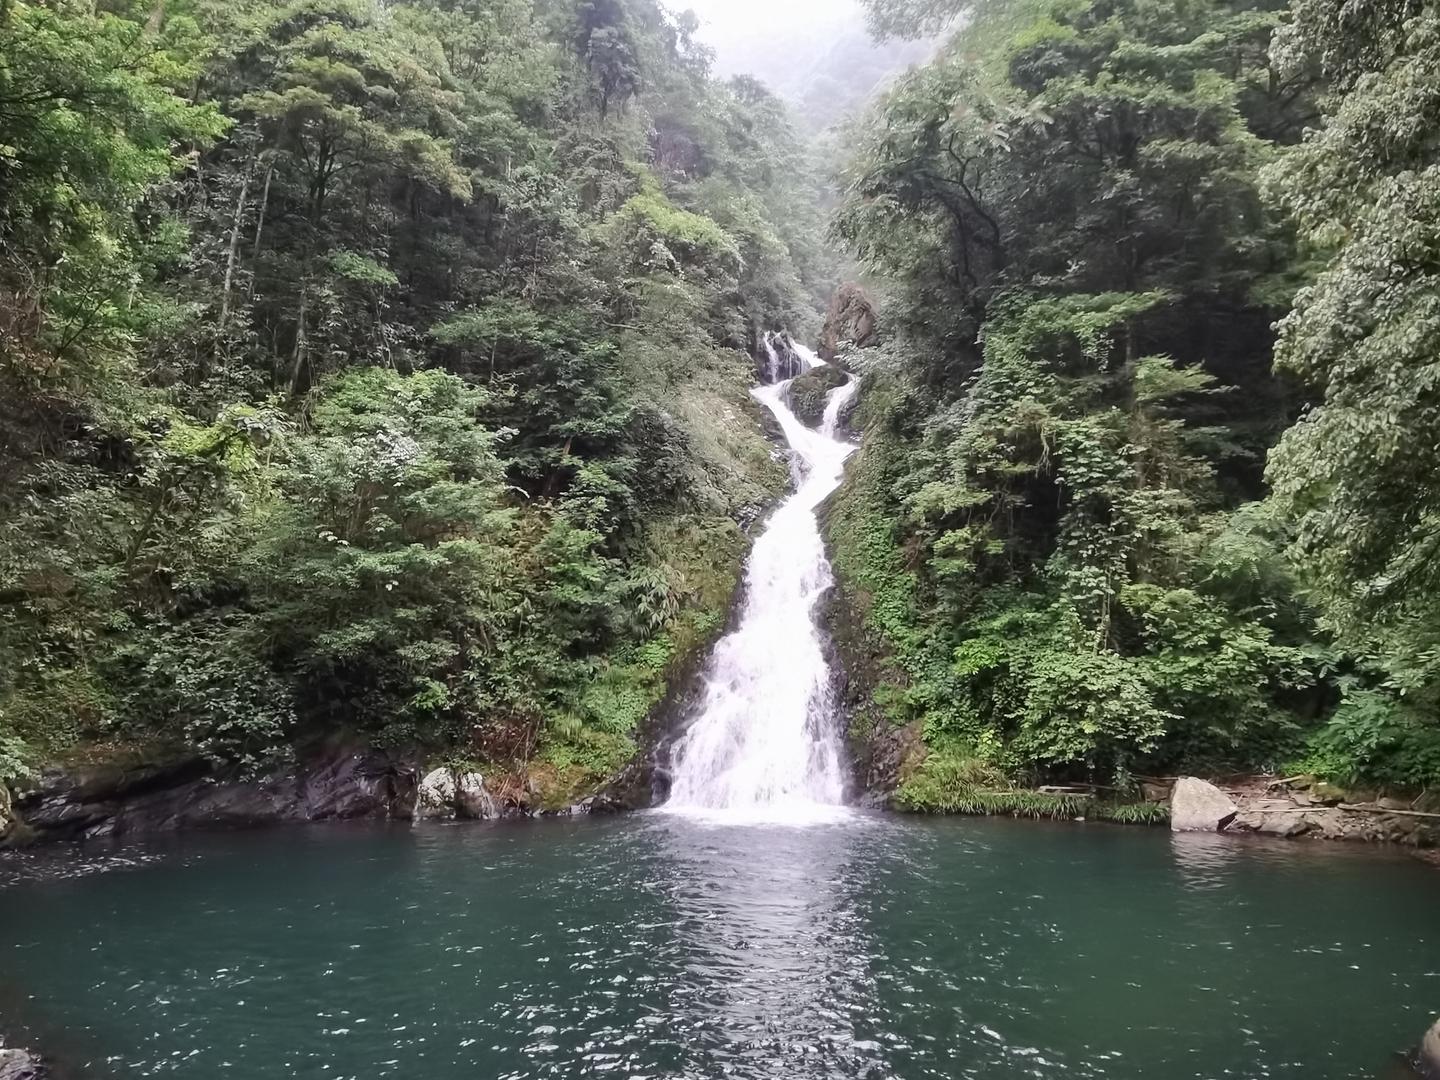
[{"x": 731, "y": 26}]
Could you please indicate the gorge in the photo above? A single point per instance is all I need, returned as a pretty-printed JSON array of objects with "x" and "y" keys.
[{"x": 410, "y": 434}]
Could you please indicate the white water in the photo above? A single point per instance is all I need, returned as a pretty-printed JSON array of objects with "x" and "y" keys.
[{"x": 765, "y": 744}]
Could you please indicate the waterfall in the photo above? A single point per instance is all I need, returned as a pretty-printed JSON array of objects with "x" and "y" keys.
[{"x": 764, "y": 742}]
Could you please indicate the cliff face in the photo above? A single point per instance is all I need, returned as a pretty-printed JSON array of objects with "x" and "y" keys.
[
  {"x": 881, "y": 752},
  {"x": 142, "y": 797},
  {"x": 851, "y": 321}
]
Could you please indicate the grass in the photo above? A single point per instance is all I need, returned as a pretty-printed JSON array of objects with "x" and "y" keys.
[{"x": 949, "y": 783}]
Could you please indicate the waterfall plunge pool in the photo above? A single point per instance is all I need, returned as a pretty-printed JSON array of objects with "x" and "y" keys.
[{"x": 658, "y": 946}]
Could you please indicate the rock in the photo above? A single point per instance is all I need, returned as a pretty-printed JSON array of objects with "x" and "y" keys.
[
  {"x": 1430, "y": 1051},
  {"x": 471, "y": 799},
  {"x": 1331, "y": 824},
  {"x": 807, "y": 393},
  {"x": 120, "y": 801},
  {"x": 1388, "y": 803},
  {"x": 435, "y": 798},
  {"x": 1286, "y": 825},
  {"x": 1155, "y": 792},
  {"x": 1198, "y": 806},
  {"x": 18, "y": 1065},
  {"x": 776, "y": 360},
  {"x": 1247, "y": 822},
  {"x": 447, "y": 793},
  {"x": 851, "y": 321}
]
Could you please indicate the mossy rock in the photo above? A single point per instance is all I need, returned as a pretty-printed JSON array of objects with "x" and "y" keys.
[{"x": 807, "y": 393}]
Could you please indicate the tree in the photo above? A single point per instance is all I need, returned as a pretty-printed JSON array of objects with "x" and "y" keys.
[
  {"x": 1067, "y": 205},
  {"x": 1357, "y": 473}
]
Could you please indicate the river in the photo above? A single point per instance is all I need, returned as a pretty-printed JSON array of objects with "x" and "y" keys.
[{"x": 661, "y": 946}]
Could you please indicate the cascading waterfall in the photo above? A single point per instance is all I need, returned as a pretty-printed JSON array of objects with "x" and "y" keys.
[{"x": 765, "y": 742}]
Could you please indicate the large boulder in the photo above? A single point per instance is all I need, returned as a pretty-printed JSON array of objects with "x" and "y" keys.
[
  {"x": 472, "y": 800},
  {"x": 807, "y": 394},
  {"x": 435, "y": 798},
  {"x": 1198, "y": 806},
  {"x": 851, "y": 321},
  {"x": 447, "y": 793}
]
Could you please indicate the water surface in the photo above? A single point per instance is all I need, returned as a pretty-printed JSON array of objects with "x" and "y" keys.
[{"x": 657, "y": 946}]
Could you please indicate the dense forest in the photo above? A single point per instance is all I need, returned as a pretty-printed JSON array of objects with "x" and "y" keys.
[
  {"x": 379, "y": 372},
  {"x": 1150, "y": 462}
]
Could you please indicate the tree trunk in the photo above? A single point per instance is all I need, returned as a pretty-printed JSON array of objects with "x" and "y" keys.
[
  {"x": 234, "y": 245},
  {"x": 302, "y": 344},
  {"x": 264, "y": 205}
]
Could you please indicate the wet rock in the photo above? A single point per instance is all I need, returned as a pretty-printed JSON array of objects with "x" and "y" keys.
[
  {"x": 776, "y": 360},
  {"x": 642, "y": 784},
  {"x": 472, "y": 800},
  {"x": 19, "y": 1065},
  {"x": 1198, "y": 806},
  {"x": 806, "y": 395},
  {"x": 186, "y": 794}
]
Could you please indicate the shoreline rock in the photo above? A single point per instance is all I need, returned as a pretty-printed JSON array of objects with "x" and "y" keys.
[
  {"x": 1199, "y": 806},
  {"x": 1430, "y": 1053},
  {"x": 446, "y": 794},
  {"x": 117, "y": 800},
  {"x": 21, "y": 1065}
]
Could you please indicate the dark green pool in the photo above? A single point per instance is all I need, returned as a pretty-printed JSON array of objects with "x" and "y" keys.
[{"x": 654, "y": 947}]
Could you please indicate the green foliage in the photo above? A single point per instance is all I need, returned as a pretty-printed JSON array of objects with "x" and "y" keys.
[
  {"x": 374, "y": 370},
  {"x": 1357, "y": 474},
  {"x": 948, "y": 781},
  {"x": 1066, "y": 204}
]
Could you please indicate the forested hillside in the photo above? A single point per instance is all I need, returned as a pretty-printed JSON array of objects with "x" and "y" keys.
[
  {"x": 1149, "y": 472},
  {"x": 377, "y": 372}
]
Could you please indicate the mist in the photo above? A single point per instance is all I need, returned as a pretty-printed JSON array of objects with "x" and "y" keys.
[{"x": 817, "y": 54}]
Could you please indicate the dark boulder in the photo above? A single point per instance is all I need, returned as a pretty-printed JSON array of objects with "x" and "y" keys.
[
  {"x": 776, "y": 359},
  {"x": 806, "y": 395},
  {"x": 188, "y": 793}
]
